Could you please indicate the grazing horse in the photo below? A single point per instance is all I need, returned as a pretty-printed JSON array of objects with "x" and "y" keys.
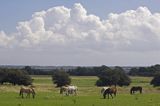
[
  {"x": 27, "y": 91},
  {"x": 110, "y": 91},
  {"x": 135, "y": 89},
  {"x": 68, "y": 90}
]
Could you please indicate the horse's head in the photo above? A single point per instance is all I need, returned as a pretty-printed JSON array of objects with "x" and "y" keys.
[{"x": 62, "y": 89}]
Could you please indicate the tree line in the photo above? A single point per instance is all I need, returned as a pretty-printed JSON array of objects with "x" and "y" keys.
[
  {"x": 79, "y": 71},
  {"x": 32, "y": 71},
  {"x": 94, "y": 71},
  {"x": 145, "y": 71},
  {"x": 107, "y": 76}
]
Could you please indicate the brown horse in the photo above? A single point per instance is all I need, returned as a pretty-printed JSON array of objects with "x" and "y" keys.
[
  {"x": 110, "y": 91},
  {"x": 135, "y": 89},
  {"x": 27, "y": 91}
]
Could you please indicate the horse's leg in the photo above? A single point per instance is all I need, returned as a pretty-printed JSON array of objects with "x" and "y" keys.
[
  {"x": 29, "y": 94},
  {"x": 111, "y": 95},
  {"x": 70, "y": 92},
  {"x": 140, "y": 91},
  {"x": 67, "y": 93},
  {"x": 20, "y": 92},
  {"x": 108, "y": 95},
  {"x": 74, "y": 92},
  {"x": 32, "y": 95},
  {"x": 22, "y": 95},
  {"x": 104, "y": 95},
  {"x": 115, "y": 94},
  {"x": 26, "y": 95}
]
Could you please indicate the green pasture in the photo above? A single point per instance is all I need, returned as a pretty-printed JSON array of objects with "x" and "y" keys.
[
  {"x": 88, "y": 94},
  {"x": 51, "y": 99}
]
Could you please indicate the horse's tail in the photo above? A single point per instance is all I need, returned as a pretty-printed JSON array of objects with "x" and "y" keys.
[
  {"x": 76, "y": 88},
  {"x": 131, "y": 91},
  {"x": 33, "y": 91},
  {"x": 20, "y": 91},
  {"x": 140, "y": 89},
  {"x": 102, "y": 90},
  {"x": 115, "y": 92}
]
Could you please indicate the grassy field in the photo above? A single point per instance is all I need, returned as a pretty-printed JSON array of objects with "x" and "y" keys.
[{"x": 88, "y": 94}]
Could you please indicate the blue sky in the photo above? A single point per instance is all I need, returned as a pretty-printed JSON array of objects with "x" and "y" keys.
[
  {"x": 80, "y": 32},
  {"x": 18, "y": 10}
]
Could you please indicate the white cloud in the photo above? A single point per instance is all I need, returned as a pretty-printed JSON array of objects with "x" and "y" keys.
[
  {"x": 61, "y": 27},
  {"x": 5, "y": 41}
]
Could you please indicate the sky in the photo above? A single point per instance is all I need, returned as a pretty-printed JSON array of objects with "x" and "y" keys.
[{"x": 80, "y": 32}]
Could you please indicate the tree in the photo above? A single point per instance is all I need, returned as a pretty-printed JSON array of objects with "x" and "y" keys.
[
  {"x": 156, "y": 80},
  {"x": 29, "y": 70},
  {"x": 115, "y": 76},
  {"x": 123, "y": 77},
  {"x": 61, "y": 78}
]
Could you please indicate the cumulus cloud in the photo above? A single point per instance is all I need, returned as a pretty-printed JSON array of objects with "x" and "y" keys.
[
  {"x": 62, "y": 27},
  {"x": 5, "y": 41}
]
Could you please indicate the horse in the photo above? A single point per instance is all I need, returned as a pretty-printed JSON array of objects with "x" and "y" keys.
[
  {"x": 135, "y": 89},
  {"x": 110, "y": 91},
  {"x": 27, "y": 91},
  {"x": 68, "y": 90}
]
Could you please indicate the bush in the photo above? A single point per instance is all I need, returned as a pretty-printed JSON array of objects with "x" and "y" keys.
[
  {"x": 115, "y": 76},
  {"x": 156, "y": 80},
  {"x": 61, "y": 78},
  {"x": 15, "y": 76}
]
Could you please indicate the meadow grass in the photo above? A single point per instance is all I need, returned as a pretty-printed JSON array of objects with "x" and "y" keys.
[
  {"x": 52, "y": 99},
  {"x": 88, "y": 94}
]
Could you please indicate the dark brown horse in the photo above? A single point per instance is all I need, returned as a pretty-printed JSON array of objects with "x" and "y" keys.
[
  {"x": 110, "y": 91},
  {"x": 27, "y": 91},
  {"x": 135, "y": 89}
]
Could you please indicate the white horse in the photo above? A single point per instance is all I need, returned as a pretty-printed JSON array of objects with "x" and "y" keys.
[
  {"x": 68, "y": 90},
  {"x": 103, "y": 89}
]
